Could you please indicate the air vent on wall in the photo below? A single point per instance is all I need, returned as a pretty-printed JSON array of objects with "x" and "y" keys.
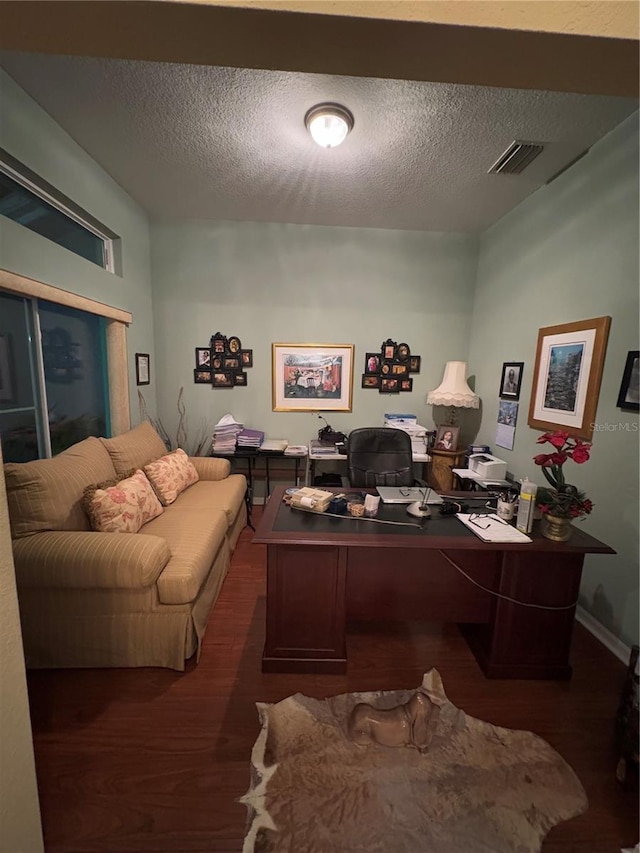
[{"x": 516, "y": 158}]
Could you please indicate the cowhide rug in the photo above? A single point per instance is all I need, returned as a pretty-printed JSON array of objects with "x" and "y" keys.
[{"x": 474, "y": 787}]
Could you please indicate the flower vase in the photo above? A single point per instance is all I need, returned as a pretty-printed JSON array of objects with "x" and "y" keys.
[{"x": 557, "y": 528}]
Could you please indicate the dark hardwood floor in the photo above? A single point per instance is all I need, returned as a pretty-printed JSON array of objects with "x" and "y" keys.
[{"x": 154, "y": 760}]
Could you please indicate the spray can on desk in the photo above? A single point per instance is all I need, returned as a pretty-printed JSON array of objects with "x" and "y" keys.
[{"x": 526, "y": 506}]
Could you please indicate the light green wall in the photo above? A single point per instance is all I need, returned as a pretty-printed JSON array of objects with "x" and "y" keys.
[
  {"x": 570, "y": 252},
  {"x": 267, "y": 282},
  {"x": 28, "y": 133}
]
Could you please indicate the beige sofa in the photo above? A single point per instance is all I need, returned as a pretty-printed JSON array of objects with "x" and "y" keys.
[{"x": 94, "y": 599}]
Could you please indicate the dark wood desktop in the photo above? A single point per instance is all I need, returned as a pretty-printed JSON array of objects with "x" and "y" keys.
[{"x": 323, "y": 572}]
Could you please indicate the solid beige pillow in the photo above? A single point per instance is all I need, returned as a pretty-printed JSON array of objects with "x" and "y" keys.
[
  {"x": 122, "y": 507},
  {"x": 133, "y": 449},
  {"x": 170, "y": 475}
]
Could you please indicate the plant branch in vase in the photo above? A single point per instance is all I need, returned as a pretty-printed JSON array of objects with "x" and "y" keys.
[{"x": 561, "y": 503}]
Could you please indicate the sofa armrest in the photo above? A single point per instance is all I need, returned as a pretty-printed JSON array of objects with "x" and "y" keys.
[
  {"x": 210, "y": 467},
  {"x": 89, "y": 560}
]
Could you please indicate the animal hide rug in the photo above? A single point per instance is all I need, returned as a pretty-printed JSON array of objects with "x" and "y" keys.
[{"x": 476, "y": 788}]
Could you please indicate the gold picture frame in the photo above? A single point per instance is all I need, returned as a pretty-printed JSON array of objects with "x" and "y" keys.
[
  {"x": 567, "y": 376},
  {"x": 312, "y": 377}
]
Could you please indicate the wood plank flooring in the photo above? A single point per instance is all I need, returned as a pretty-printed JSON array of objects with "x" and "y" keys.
[{"x": 153, "y": 760}]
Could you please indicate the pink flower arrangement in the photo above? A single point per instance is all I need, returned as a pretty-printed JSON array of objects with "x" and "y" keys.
[{"x": 562, "y": 499}]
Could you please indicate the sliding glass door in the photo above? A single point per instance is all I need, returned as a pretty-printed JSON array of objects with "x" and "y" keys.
[{"x": 53, "y": 377}]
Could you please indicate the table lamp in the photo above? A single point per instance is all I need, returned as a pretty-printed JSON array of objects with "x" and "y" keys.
[{"x": 454, "y": 391}]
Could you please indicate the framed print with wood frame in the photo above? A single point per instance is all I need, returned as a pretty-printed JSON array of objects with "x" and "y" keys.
[
  {"x": 312, "y": 377},
  {"x": 143, "y": 373},
  {"x": 629, "y": 395},
  {"x": 567, "y": 376}
]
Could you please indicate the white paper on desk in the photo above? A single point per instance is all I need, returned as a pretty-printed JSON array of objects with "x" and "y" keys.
[{"x": 489, "y": 528}]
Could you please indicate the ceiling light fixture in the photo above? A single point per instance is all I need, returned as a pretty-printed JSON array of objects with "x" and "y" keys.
[{"x": 328, "y": 124}]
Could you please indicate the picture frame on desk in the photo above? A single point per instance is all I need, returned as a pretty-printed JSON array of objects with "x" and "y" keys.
[
  {"x": 567, "y": 376},
  {"x": 312, "y": 377},
  {"x": 447, "y": 438}
]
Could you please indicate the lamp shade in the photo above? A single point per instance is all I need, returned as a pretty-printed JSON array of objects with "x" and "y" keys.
[{"x": 454, "y": 391}]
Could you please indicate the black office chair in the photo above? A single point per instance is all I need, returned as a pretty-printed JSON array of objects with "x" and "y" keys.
[{"x": 380, "y": 456}]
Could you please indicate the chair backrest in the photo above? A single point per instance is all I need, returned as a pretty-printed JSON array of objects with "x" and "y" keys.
[{"x": 379, "y": 456}]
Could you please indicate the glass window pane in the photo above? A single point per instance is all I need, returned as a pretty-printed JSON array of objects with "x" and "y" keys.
[
  {"x": 19, "y": 436},
  {"x": 17, "y": 395},
  {"x": 21, "y": 205},
  {"x": 75, "y": 369}
]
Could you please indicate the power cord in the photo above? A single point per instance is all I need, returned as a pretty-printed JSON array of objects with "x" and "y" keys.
[{"x": 506, "y": 597}]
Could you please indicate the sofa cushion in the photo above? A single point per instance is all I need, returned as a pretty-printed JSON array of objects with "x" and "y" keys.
[
  {"x": 135, "y": 448},
  {"x": 122, "y": 506},
  {"x": 46, "y": 494},
  {"x": 170, "y": 475},
  {"x": 194, "y": 537},
  {"x": 227, "y": 495}
]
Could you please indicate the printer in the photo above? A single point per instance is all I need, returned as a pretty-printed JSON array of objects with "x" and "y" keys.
[{"x": 487, "y": 467}]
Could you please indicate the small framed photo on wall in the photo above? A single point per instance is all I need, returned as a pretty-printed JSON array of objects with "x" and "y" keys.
[
  {"x": 202, "y": 377},
  {"x": 143, "y": 372},
  {"x": 511, "y": 379},
  {"x": 203, "y": 357}
]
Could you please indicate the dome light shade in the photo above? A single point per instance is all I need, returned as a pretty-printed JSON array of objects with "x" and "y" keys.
[
  {"x": 328, "y": 124},
  {"x": 454, "y": 391}
]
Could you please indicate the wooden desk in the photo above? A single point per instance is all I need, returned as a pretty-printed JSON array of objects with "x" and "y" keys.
[{"x": 323, "y": 572}]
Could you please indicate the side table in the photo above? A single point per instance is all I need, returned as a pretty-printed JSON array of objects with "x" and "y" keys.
[{"x": 440, "y": 474}]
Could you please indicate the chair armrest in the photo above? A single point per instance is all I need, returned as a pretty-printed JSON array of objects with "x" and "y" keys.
[
  {"x": 89, "y": 560},
  {"x": 211, "y": 468}
]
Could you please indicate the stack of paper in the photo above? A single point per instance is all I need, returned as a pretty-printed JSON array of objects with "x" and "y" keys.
[
  {"x": 274, "y": 445},
  {"x": 417, "y": 433},
  {"x": 225, "y": 433},
  {"x": 322, "y": 448},
  {"x": 250, "y": 438},
  {"x": 296, "y": 450}
]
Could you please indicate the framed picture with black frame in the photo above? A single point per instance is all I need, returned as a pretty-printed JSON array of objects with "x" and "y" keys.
[
  {"x": 511, "y": 379},
  {"x": 629, "y": 395},
  {"x": 143, "y": 371}
]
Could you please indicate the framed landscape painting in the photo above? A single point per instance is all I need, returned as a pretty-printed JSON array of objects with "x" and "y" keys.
[
  {"x": 567, "y": 376},
  {"x": 312, "y": 377}
]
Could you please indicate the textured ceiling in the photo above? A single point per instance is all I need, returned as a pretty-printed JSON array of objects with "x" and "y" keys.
[{"x": 193, "y": 141}]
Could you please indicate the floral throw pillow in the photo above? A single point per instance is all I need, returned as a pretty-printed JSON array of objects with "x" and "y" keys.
[
  {"x": 122, "y": 506},
  {"x": 170, "y": 475}
]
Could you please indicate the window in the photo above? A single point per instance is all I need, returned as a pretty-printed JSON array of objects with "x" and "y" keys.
[
  {"x": 53, "y": 385},
  {"x": 28, "y": 200}
]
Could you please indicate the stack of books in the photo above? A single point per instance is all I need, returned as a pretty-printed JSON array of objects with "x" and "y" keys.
[
  {"x": 225, "y": 433},
  {"x": 296, "y": 450},
  {"x": 250, "y": 438}
]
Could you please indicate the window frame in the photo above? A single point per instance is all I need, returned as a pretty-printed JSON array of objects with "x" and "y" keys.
[{"x": 41, "y": 189}]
